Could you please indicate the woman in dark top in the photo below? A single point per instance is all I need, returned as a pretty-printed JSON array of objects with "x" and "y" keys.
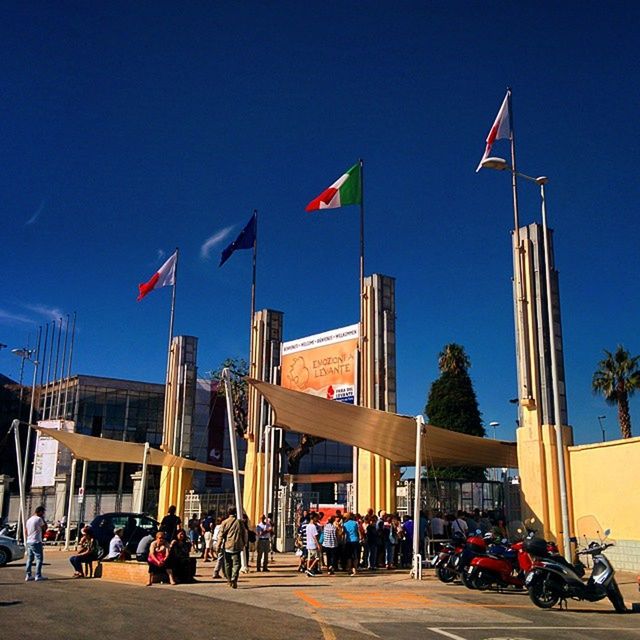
[
  {"x": 371, "y": 538},
  {"x": 179, "y": 561}
]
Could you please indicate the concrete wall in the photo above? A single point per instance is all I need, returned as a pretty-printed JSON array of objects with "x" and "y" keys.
[{"x": 605, "y": 486}]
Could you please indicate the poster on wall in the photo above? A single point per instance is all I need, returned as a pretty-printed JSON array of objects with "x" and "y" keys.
[
  {"x": 323, "y": 364},
  {"x": 50, "y": 459}
]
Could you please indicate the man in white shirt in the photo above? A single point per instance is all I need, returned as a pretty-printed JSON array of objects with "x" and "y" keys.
[
  {"x": 116, "y": 546},
  {"x": 36, "y": 526},
  {"x": 459, "y": 526},
  {"x": 313, "y": 546},
  {"x": 263, "y": 542}
]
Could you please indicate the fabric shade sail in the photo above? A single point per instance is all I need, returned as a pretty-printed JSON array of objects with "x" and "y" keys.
[
  {"x": 387, "y": 434},
  {"x": 95, "y": 449}
]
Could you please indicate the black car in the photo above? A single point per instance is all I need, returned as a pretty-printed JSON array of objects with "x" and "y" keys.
[{"x": 135, "y": 526}]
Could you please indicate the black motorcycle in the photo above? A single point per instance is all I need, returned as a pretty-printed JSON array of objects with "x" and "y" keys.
[{"x": 553, "y": 579}]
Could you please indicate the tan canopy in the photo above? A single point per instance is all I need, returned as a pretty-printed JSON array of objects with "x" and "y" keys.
[
  {"x": 106, "y": 450},
  {"x": 386, "y": 434}
]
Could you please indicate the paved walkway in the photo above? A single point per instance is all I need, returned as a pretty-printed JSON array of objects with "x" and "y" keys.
[{"x": 285, "y": 604}]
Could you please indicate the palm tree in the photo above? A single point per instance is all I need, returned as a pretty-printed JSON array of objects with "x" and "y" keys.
[
  {"x": 617, "y": 379},
  {"x": 453, "y": 359}
]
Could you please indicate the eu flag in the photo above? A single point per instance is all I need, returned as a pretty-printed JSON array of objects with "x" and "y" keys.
[{"x": 245, "y": 240}]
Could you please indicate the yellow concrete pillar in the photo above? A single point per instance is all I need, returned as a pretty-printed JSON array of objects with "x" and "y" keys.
[
  {"x": 376, "y": 477},
  {"x": 253, "y": 486},
  {"x": 539, "y": 478},
  {"x": 174, "y": 483}
]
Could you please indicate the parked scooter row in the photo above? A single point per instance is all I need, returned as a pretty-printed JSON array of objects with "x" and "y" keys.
[
  {"x": 552, "y": 579},
  {"x": 530, "y": 563}
]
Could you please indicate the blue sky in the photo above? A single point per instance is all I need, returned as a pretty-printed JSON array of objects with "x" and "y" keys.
[{"x": 131, "y": 128}]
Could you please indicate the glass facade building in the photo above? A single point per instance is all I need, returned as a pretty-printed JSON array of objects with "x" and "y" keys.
[{"x": 108, "y": 408}]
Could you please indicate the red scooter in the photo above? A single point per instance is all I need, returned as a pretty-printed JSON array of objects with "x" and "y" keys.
[{"x": 502, "y": 566}]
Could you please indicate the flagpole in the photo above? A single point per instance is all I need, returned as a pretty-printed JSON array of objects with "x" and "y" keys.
[
  {"x": 361, "y": 393},
  {"x": 360, "y": 371},
  {"x": 169, "y": 446},
  {"x": 252, "y": 364},
  {"x": 520, "y": 288},
  {"x": 173, "y": 302}
]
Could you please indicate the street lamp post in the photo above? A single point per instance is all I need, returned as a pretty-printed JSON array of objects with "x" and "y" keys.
[
  {"x": 495, "y": 424},
  {"x": 26, "y": 354},
  {"x": 499, "y": 164},
  {"x": 600, "y": 419}
]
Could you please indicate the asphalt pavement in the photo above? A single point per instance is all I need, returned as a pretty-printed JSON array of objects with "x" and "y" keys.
[{"x": 285, "y": 604}]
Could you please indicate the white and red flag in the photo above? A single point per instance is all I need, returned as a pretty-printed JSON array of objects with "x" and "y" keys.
[
  {"x": 164, "y": 277},
  {"x": 500, "y": 130}
]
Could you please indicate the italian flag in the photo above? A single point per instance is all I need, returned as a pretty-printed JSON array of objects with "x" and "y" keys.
[{"x": 347, "y": 189}]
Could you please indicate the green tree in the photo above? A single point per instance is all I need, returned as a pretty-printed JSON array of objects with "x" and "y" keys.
[
  {"x": 239, "y": 389},
  {"x": 617, "y": 379},
  {"x": 452, "y": 404}
]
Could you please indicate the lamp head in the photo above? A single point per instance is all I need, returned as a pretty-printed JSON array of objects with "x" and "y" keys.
[
  {"x": 542, "y": 180},
  {"x": 499, "y": 164},
  {"x": 494, "y": 424},
  {"x": 22, "y": 353}
]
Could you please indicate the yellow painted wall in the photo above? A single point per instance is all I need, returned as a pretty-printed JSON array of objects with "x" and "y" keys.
[{"x": 605, "y": 480}]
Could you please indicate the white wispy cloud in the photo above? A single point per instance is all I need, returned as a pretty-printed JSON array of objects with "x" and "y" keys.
[
  {"x": 52, "y": 313},
  {"x": 160, "y": 253},
  {"x": 214, "y": 240},
  {"x": 6, "y": 317},
  {"x": 36, "y": 215}
]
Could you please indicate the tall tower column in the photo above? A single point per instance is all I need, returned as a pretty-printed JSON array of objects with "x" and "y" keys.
[
  {"x": 179, "y": 406},
  {"x": 537, "y": 449},
  {"x": 265, "y": 356},
  {"x": 377, "y": 476}
]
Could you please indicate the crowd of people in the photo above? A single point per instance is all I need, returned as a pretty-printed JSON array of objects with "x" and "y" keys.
[
  {"x": 340, "y": 542},
  {"x": 349, "y": 542}
]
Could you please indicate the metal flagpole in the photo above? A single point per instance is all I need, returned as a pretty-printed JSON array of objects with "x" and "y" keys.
[
  {"x": 417, "y": 556},
  {"x": 44, "y": 352},
  {"x": 226, "y": 376},
  {"x": 252, "y": 363},
  {"x": 72, "y": 482},
  {"x": 66, "y": 390},
  {"x": 266, "y": 468},
  {"x": 55, "y": 369},
  {"x": 360, "y": 363},
  {"x": 166, "y": 375},
  {"x": 83, "y": 482},
  {"x": 47, "y": 394},
  {"x": 15, "y": 425},
  {"x": 173, "y": 303},
  {"x": 143, "y": 480},
  {"x": 555, "y": 382},
  {"x": 64, "y": 361},
  {"x": 35, "y": 364},
  {"x": 520, "y": 288}
]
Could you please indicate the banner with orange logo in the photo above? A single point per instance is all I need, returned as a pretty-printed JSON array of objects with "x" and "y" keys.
[{"x": 323, "y": 365}]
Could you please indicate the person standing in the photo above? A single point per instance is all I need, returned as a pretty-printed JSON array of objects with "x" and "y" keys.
[
  {"x": 36, "y": 526},
  {"x": 330, "y": 545},
  {"x": 170, "y": 524},
  {"x": 352, "y": 537},
  {"x": 263, "y": 535},
  {"x": 313, "y": 546},
  {"x": 232, "y": 539}
]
